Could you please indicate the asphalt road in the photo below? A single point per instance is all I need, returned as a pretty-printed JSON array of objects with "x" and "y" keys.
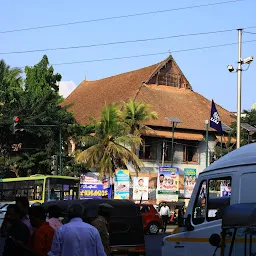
[{"x": 154, "y": 242}]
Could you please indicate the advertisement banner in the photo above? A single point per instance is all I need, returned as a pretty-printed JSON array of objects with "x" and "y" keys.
[
  {"x": 92, "y": 191},
  {"x": 168, "y": 184},
  {"x": 91, "y": 186},
  {"x": 189, "y": 181},
  {"x": 140, "y": 188},
  {"x": 122, "y": 185}
]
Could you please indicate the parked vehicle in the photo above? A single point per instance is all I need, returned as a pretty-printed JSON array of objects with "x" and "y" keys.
[
  {"x": 211, "y": 195},
  {"x": 152, "y": 221},
  {"x": 125, "y": 226}
]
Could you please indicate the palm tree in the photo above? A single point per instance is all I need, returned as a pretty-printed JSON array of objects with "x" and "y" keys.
[
  {"x": 135, "y": 113},
  {"x": 109, "y": 145},
  {"x": 10, "y": 82}
]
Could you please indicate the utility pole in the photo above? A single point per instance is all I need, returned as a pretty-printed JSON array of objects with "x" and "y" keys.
[
  {"x": 239, "y": 70},
  {"x": 60, "y": 153},
  {"x": 206, "y": 141},
  {"x": 163, "y": 153},
  {"x": 239, "y": 92}
]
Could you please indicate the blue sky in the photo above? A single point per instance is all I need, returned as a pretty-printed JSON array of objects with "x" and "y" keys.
[{"x": 205, "y": 69}]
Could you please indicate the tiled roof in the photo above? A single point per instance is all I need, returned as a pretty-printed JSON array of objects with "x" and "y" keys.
[
  {"x": 90, "y": 96},
  {"x": 192, "y": 108},
  {"x": 177, "y": 135}
]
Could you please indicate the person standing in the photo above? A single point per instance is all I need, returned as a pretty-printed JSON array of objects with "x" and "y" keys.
[
  {"x": 17, "y": 232},
  {"x": 77, "y": 237},
  {"x": 102, "y": 224},
  {"x": 165, "y": 214},
  {"x": 41, "y": 240},
  {"x": 23, "y": 204},
  {"x": 54, "y": 214}
]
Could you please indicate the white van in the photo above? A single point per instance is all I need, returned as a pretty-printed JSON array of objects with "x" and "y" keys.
[{"x": 229, "y": 180}]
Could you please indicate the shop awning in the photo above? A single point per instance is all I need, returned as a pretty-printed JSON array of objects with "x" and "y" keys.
[{"x": 177, "y": 135}]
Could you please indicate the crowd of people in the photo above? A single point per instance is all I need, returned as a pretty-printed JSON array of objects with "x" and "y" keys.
[{"x": 31, "y": 231}]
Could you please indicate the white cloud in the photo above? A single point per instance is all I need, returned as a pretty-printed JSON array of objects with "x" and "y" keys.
[{"x": 66, "y": 87}]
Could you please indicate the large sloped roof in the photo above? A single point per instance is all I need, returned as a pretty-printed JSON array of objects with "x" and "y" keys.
[{"x": 192, "y": 108}]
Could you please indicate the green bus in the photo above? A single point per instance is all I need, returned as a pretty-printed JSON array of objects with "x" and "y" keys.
[{"x": 39, "y": 188}]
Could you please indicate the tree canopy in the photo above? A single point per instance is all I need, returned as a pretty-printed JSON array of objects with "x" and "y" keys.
[{"x": 36, "y": 101}]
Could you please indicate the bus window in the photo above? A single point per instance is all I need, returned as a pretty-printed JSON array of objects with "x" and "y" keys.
[
  {"x": 200, "y": 205},
  {"x": 62, "y": 189},
  {"x": 218, "y": 197}
]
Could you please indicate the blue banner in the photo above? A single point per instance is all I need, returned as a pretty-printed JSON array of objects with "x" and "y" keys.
[
  {"x": 93, "y": 191},
  {"x": 215, "y": 121}
]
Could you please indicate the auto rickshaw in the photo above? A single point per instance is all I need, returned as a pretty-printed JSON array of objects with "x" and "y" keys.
[
  {"x": 238, "y": 236},
  {"x": 125, "y": 226}
]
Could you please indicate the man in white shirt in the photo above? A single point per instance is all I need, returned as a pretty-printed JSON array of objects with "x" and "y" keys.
[{"x": 165, "y": 214}]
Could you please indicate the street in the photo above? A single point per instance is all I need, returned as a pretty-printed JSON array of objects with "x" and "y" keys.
[{"x": 154, "y": 242}]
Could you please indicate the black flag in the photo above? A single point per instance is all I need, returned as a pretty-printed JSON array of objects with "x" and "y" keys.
[{"x": 215, "y": 121}]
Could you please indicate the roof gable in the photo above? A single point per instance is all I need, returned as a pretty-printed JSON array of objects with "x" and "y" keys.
[{"x": 168, "y": 73}]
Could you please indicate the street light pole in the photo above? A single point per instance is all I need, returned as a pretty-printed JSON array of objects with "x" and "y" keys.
[
  {"x": 239, "y": 84},
  {"x": 172, "y": 143},
  {"x": 60, "y": 153}
]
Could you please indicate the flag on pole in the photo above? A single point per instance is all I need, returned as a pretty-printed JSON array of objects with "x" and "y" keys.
[{"x": 215, "y": 121}]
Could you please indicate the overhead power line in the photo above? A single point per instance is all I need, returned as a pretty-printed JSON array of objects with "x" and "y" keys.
[
  {"x": 149, "y": 54},
  {"x": 120, "y": 42},
  {"x": 120, "y": 17}
]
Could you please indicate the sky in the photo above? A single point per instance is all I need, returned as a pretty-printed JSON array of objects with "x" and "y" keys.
[{"x": 206, "y": 69}]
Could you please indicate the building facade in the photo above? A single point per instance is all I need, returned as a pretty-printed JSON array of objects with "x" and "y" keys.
[{"x": 167, "y": 90}]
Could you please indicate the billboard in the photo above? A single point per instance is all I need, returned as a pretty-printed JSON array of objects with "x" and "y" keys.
[
  {"x": 189, "y": 181},
  {"x": 122, "y": 184},
  {"x": 140, "y": 188},
  {"x": 92, "y": 186},
  {"x": 168, "y": 184}
]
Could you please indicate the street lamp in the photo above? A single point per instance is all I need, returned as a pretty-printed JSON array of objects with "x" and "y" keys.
[
  {"x": 239, "y": 83},
  {"x": 174, "y": 122}
]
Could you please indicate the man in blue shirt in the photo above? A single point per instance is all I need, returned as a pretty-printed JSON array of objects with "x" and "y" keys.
[{"x": 76, "y": 237}]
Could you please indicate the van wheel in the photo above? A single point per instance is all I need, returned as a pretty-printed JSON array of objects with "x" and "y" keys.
[{"x": 153, "y": 228}]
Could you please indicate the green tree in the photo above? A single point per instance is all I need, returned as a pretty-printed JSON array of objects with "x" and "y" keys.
[
  {"x": 37, "y": 103},
  {"x": 135, "y": 113},
  {"x": 108, "y": 147}
]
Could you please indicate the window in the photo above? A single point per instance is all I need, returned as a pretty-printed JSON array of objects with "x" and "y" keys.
[
  {"x": 148, "y": 149},
  {"x": 33, "y": 189},
  {"x": 200, "y": 205},
  {"x": 61, "y": 189},
  {"x": 190, "y": 153},
  {"x": 144, "y": 209},
  {"x": 218, "y": 197}
]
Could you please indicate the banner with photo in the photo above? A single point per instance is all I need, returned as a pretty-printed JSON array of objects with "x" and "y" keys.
[
  {"x": 122, "y": 184},
  {"x": 189, "y": 181},
  {"x": 140, "y": 188},
  {"x": 168, "y": 184},
  {"x": 92, "y": 186}
]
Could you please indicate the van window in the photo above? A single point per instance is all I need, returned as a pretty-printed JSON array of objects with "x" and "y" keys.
[
  {"x": 200, "y": 205},
  {"x": 218, "y": 197},
  {"x": 248, "y": 185}
]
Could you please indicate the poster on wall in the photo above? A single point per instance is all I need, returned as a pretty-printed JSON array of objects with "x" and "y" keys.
[
  {"x": 189, "y": 181},
  {"x": 168, "y": 184},
  {"x": 92, "y": 186},
  {"x": 140, "y": 188},
  {"x": 122, "y": 186},
  {"x": 225, "y": 188}
]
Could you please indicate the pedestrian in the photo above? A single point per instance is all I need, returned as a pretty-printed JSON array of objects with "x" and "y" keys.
[
  {"x": 23, "y": 203},
  {"x": 17, "y": 232},
  {"x": 76, "y": 237},
  {"x": 102, "y": 224},
  {"x": 41, "y": 240},
  {"x": 54, "y": 215},
  {"x": 165, "y": 214}
]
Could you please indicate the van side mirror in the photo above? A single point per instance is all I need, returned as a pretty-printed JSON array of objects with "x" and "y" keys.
[
  {"x": 188, "y": 224},
  {"x": 215, "y": 240}
]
